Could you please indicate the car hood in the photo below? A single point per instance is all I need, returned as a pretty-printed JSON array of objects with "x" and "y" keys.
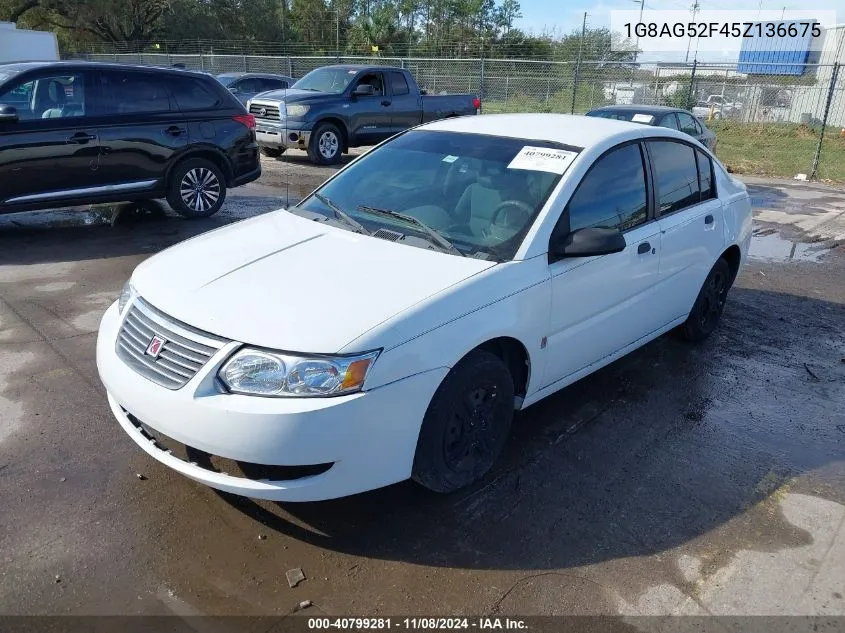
[
  {"x": 292, "y": 95},
  {"x": 289, "y": 283}
]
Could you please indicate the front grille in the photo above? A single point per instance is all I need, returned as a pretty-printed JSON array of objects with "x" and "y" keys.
[
  {"x": 183, "y": 354},
  {"x": 270, "y": 111}
]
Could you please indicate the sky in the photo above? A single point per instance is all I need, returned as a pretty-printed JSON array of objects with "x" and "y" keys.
[{"x": 562, "y": 16}]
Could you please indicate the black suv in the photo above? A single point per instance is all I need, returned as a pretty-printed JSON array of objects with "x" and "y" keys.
[{"x": 83, "y": 132}]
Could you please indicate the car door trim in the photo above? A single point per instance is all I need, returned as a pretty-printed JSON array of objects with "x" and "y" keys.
[{"x": 136, "y": 185}]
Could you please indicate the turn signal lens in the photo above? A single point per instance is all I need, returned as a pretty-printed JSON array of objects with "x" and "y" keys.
[{"x": 355, "y": 374}]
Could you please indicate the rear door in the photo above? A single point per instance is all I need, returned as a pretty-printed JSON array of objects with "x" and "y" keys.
[
  {"x": 140, "y": 127},
  {"x": 602, "y": 304},
  {"x": 52, "y": 151},
  {"x": 371, "y": 116},
  {"x": 406, "y": 104},
  {"x": 691, "y": 223}
]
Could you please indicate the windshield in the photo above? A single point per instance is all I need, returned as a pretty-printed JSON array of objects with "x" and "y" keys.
[
  {"x": 227, "y": 80},
  {"x": 333, "y": 80},
  {"x": 479, "y": 193}
]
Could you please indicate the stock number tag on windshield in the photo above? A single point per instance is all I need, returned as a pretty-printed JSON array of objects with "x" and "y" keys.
[{"x": 542, "y": 159}]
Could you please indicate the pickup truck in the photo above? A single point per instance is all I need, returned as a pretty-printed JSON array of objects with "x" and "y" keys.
[{"x": 337, "y": 107}]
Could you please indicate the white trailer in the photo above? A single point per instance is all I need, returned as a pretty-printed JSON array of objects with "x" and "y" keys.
[{"x": 20, "y": 45}]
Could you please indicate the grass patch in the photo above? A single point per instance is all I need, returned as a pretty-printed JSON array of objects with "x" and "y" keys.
[{"x": 778, "y": 149}]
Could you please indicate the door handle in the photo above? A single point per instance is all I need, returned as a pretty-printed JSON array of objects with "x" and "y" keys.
[
  {"x": 386, "y": 103},
  {"x": 80, "y": 138},
  {"x": 643, "y": 248},
  {"x": 175, "y": 130},
  {"x": 708, "y": 219}
]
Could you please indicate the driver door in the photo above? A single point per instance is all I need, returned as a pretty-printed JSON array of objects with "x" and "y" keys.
[
  {"x": 52, "y": 151},
  {"x": 602, "y": 304},
  {"x": 371, "y": 116}
]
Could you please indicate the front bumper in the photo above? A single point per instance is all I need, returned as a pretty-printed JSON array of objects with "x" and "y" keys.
[
  {"x": 282, "y": 134},
  {"x": 368, "y": 438}
]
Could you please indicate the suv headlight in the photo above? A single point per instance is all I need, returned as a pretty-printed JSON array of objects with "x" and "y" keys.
[
  {"x": 262, "y": 373},
  {"x": 125, "y": 296},
  {"x": 294, "y": 111}
]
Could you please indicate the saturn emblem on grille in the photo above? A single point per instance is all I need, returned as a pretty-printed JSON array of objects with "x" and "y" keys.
[
  {"x": 263, "y": 112},
  {"x": 156, "y": 343}
]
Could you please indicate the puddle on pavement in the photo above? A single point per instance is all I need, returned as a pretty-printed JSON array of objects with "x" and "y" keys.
[
  {"x": 773, "y": 247},
  {"x": 93, "y": 215}
]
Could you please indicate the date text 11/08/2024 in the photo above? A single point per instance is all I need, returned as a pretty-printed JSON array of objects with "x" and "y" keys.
[{"x": 419, "y": 623}]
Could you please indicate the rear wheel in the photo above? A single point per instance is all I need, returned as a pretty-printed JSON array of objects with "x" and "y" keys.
[
  {"x": 466, "y": 424},
  {"x": 708, "y": 307},
  {"x": 325, "y": 146},
  {"x": 197, "y": 188},
  {"x": 272, "y": 152}
]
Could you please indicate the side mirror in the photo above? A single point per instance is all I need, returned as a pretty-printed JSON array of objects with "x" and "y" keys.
[
  {"x": 8, "y": 114},
  {"x": 588, "y": 242},
  {"x": 364, "y": 90},
  {"x": 234, "y": 90}
]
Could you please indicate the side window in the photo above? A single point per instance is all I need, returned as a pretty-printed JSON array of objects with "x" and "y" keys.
[
  {"x": 192, "y": 94},
  {"x": 48, "y": 97},
  {"x": 399, "y": 84},
  {"x": 688, "y": 125},
  {"x": 705, "y": 176},
  {"x": 675, "y": 175},
  {"x": 612, "y": 194},
  {"x": 272, "y": 84},
  {"x": 127, "y": 92},
  {"x": 669, "y": 121},
  {"x": 376, "y": 81},
  {"x": 247, "y": 85}
]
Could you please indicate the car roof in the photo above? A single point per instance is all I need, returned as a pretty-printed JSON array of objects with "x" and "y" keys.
[
  {"x": 644, "y": 109},
  {"x": 360, "y": 67},
  {"x": 245, "y": 75},
  {"x": 19, "y": 67},
  {"x": 568, "y": 129}
]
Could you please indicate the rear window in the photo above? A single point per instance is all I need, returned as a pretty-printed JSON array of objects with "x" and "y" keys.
[
  {"x": 192, "y": 94},
  {"x": 624, "y": 115}
]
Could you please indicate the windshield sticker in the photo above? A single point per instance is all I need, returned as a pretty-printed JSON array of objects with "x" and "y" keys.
[
  {"x": 450, "y": 159},
  {"x": 642, "y": 118},
  {"x": 543, "y": 159}
]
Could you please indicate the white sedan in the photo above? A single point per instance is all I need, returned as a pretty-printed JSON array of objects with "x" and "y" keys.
[{"x": 388, "y": 325}]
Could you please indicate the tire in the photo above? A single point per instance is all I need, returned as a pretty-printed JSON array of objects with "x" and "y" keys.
[
  {"x": 466, "y": 425},
  {"x": 326, "y": 145},
  {"x": 709, "y": 305},
  {"x": 272, "y": 152},
  {"x": 197, "y": 188}
]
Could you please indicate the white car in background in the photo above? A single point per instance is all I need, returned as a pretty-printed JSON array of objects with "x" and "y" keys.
[{"x": 389, "y": 325}]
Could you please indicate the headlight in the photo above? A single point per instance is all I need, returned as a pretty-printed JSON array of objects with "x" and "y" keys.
[
  {"x": 297, "y": 110},
  {"x": 262, "y": 373},
  {"x": 248, "y": 104},
  {"x": 125, "y": 296}
]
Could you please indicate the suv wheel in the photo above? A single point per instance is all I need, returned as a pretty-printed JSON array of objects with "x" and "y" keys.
[
  {"x": 272, "y": 152},
  {"x": 466, "y": 425},
  {"x": 197, "y": 188},
  {"x": 325, "y": 147}
]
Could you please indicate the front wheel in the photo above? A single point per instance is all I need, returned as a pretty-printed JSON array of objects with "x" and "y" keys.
[
  {"x": 708, "y": 307},
  {"x": 466, "y": 425},
  {"x": 325, "y": 146},
  {"x": 197, "y": 188}
]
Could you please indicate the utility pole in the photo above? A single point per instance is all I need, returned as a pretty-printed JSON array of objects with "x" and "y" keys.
[
  {"x": 578, "y": 63},
  {"x": 695, "y": 8},
  {"x": 637, "y": 45}
]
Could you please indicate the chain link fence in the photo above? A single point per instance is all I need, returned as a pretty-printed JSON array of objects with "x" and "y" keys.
[{"x": 788, "y": 121}]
